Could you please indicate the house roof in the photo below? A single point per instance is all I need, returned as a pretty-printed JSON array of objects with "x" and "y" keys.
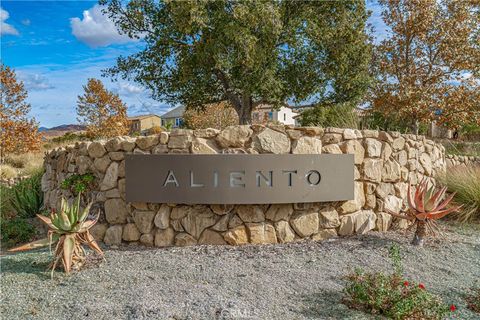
[
  {"x": 174, "y": 113},
  {"x": 141, "y": 117}
]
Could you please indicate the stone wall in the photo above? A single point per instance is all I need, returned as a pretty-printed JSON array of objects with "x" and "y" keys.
[
  {"x": 466, "y": 161},
  {"x": 385, "y": 163}
]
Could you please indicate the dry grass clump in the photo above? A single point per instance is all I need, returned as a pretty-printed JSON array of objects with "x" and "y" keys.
[
  {"x": 24, "y": 164},
  {"x": 465, "y": 182},
  {"x": 7, "y": 171}
]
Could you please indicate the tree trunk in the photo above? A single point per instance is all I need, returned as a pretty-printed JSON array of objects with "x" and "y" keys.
[
  {"x": 419, "y": 234},
  {"x": 415, "y": 127},
  {"x": 244, "y": 110}
]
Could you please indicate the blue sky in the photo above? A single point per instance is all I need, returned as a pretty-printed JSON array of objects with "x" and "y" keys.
[{"x": 55, "y": 46}]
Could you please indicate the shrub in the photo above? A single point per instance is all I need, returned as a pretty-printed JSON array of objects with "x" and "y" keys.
[
  {"x": 27, "y": 199},
  {"x": 340, "y": 116},
  {"x": 473, "y": 299},
  {"x": 391, "y": 295},
  {"x": 16, "y": 230},
  {"x": 69, "y": 137},
  {"x": 79, "y": 183},
  {"x": 465, "y": 182},
  {"x": 155, "y": 130}
]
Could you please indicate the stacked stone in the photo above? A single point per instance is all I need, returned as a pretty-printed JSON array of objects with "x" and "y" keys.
[
  {"x": 385, "y": 164},
  {"x": 462, "y": 161}
]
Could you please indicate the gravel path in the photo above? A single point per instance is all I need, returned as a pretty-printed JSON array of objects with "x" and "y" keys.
[{"x": 295, "y": 281}]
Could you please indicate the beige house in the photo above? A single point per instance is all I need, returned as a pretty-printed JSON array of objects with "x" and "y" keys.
[{"x": 141, "y": 124}]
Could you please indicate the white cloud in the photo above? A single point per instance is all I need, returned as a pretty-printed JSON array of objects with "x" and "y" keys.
[
  {"x": 26, "y": 22},
  {"x": 6, "y": 28},
  {"x": 57, "y": 105},
  {"x": 96, "y": 29},
  {"x": 34, "y": 81},
  {"x": 127, "y": 89}
]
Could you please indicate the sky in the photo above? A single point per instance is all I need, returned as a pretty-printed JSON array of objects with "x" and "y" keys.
[{"x": 55, "y": 46}]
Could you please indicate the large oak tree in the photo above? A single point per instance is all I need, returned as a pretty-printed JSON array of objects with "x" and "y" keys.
[
  {"x": 429, "y": 67},
  {"x": 247, "y": 52}
]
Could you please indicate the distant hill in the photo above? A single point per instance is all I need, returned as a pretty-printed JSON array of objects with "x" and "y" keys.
[{"x": 61, "y": 130}]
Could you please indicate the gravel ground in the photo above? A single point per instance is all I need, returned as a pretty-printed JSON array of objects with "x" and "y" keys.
[{"x": 294, "y": 281}]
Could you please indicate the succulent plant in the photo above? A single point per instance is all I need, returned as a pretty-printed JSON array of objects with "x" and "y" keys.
[
  {"x": 69, "y": 229},
  {"x": 426, "y": 206}
]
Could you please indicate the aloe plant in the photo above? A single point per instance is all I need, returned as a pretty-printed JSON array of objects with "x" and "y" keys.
[
  {"x": 426, "y": 206},
  {"x": 69, "y": 229}
]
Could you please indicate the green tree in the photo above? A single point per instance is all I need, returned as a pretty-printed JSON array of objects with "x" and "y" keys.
[{"x": 247, "y": 52}]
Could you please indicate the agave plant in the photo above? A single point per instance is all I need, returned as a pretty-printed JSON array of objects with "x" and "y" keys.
[
  {"x": 426, "y": 206},
  {"x": 69, "y": 229}
]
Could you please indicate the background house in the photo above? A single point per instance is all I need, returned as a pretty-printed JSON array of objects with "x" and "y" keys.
[
  {"x": 174, "y": 116},
  {"x": 265, "y": 113},
  {"x": 141, "y": 124}
]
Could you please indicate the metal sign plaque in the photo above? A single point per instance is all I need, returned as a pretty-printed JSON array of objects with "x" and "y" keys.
[{"x": 239, "y": 178}]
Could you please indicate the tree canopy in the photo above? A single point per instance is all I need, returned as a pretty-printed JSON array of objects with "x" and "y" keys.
[
  {"x": 429, "y": 68},
  {"x": 246, "y": 52},
  {"x": 102, "y": 111},
  {"x": 18, "y": 133}
]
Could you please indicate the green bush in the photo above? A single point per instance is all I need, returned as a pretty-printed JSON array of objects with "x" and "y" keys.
[
  {"x": 465, "y": 182},
  {"x": 377, "y": 121},
  {"x": 340, "y": 116},
  {"x": 390, "y": 295},
  {"x": 69, "y": 137},
  {"x": 27, "y": 196},
  {"x": 79, "y": 183},
  {"x": 16, "y": 230}
]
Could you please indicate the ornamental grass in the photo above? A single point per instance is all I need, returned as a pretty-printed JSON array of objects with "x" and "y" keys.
[{"x": 465, "y": 183}]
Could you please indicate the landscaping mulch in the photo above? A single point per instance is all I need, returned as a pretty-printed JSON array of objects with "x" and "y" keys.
[{"x": 293, "y": 281}]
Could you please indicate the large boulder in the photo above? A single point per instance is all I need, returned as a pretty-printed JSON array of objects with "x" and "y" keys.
[
  {"x": 261, "y": 233},
  {"x": 96, "y": 150},
  {"x": 284, "y": 231},
  {"x": 271, "y": 141},
  {"x": 250, "y": 213},
  {"x": 305, "y": 224},
  {"x": 195, "y": 222},
  {"x": 184, "y": 239},
  {"x": 372, "y": 169},
  {"x": 110, "y": 178},
  {"x": 357, "y": 203},
  {"x": 211, "y": 237},
  {"x": 277, "y": 212},
  {"x": 162, "y": 217},
  {"x": 116, "y": 211},
  {"x": 147, "y": 142},
  {"x": 236, "y": 236},
  {"x": 373, "y": 148},
  {"x": 113, "y": 235},
  {"x": 144, "y": 220},
  {"x": 354, "y": 147},
  {"x": 204, "y": 146},
  {"x": 328, "y": 218},
  {"x": 307, "y": 145},
  {"x": 164, "y": 238},
  {"x": 130, "y": 232},
  {"x": 234, "y": 136}
]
